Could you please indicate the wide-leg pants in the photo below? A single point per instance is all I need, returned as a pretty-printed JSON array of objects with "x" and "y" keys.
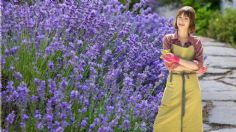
[{"x": 181, "y": 108}]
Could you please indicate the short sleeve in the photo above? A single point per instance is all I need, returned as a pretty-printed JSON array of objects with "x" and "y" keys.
[
  {"x": 198, "y": 56},
  {"x": 166, "y": 45}
]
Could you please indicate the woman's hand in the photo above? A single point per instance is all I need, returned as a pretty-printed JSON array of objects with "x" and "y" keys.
[
  {"x": 182, "y": 68},
  {"x": 184, "y": 65},
  {"x": 171, "y": 58},
  {"x": 202, "y": 70}
]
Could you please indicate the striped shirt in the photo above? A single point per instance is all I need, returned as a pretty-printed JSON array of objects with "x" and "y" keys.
[{"x": 170, "y": 39}]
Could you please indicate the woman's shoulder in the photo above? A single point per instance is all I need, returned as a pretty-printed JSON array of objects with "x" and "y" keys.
[{"x": 195, "y": 39}]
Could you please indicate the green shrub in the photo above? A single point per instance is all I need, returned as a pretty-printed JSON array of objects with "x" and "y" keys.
[
  {"x": 223, "y": 28},
  {"x": 203, "y": 15}
]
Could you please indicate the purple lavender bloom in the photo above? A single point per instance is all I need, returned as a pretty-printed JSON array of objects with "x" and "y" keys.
[
  {"x": 63, "y": 85},
  {"x": 91, "y": 126},
  {"x": 72, "y": 119},
  {"x": 34, "y": 98},
  {"x": 126, "y": 124},
  {"x": 40, "y": 125},
  {"x": 113, "y": 123},
  {"x": 52, "y": 85},
  {"x": 41, "y": 88},
  {"x": 97, "y": 121},
  {"x": 105, "y": 129},
  {"x": 64, "y": 123},
  {"x": 50, "y": 65},
  {"x": 18, "y": 76},
  {"x": 86, "y": 102},
  {"x": 143, "y": 126},
  {"x": 10, "y": 86},
  {"x": 109, "y": 109},
  {"x": 14, "y": 49},
  {"x": 128, "y": 81},
  {"x": 49, "y": 117},
  {"x": 23, "y": 94},
  {"x": 7, "y": 52},
  {"x": 3, "y": 61},
  {"x": 24, "y": 116},
  {"x": 15, "y": 95},
  {"x": 22, "y": 124},
  {"x": 57, "y": 124},
  {"x": 60, "y": 129},
  {"x": 83, "y": 123},
  {"x": 11, "y": 117},
  {"x": 85, "y": 88},
  {"x": 63, "y": 116},
  {"x": 37, "y": 115},
  {"x": 74, "y": 94}
]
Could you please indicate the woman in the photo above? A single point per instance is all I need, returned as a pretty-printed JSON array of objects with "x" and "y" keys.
[{"x": 181, "y": 108}]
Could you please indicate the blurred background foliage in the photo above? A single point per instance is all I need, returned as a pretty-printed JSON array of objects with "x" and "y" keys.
[{"x": 210, "y": 20}]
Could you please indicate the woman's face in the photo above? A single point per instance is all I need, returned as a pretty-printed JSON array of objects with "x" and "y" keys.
[{"x": 183, "y": 22}]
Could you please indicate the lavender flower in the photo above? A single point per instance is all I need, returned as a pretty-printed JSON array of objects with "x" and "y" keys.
[
  {"x": 37, "y": 114},
  {"x": 11, "y": 117},
  {"x": 18, "y": 76},
  {"x": 97, "y": 50},
  {"x": 74, "y": 94},
  {"x": 50, "y": 65},
  {"x": 60, "y": 129},
  {"x": 83, "y": 123}
]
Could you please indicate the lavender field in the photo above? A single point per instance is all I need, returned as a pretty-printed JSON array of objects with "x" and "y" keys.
[{"x": 81, "y": 65}]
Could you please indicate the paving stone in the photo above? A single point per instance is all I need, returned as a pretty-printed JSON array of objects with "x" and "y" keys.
[
  {"x": 231, "y": 75},
  {"x": 213, "y": 85},
  {"x": 214, "y": 90},
  {"x": 212, "y": 70},
  {"x": 209, "y": 42},
  {"x": 223, "y": 113},
  {"x": 224, "y": 95},
  {"x": 222, "y": 62},
  {"x": 214, "y": 77},
  {"x": 206, "y": 40},
  {"x": 220, "y": 51},
  {"x": 231, "y": 81},
  {"x": 214, "y": 73},
  {"x": 225, "y": 130},
  {"x": 206, "y": 127}
]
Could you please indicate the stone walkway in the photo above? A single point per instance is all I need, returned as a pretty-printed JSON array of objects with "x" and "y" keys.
[{"x": 218, "y": 87}]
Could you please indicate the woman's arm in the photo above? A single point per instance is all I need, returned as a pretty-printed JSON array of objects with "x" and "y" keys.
[
  {"x": 181, "y": 68},
  {"x": 184, "y": 64},
  {"x": 189, "y": 64},
  {"x": 177, "y": 67}
]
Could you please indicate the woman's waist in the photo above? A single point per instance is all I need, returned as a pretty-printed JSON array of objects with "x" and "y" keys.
[
  {"x": 179, "y": 75},
  {"x": 183, "y": 72}
]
